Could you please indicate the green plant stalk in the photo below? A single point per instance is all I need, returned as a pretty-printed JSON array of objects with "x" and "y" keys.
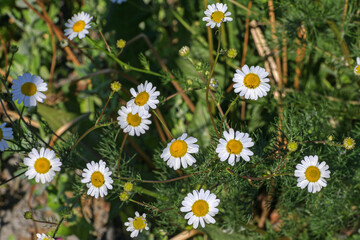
[
  {"x": 144, "y": 204},
  {"x": 149, "y": 193},
  {"x": 164, "y": 125},
  {"x": 89, "y": 131},
  {"x": 102, "y": 112},
  {"x": 121, "y": 63},
  {"x": 121, "y": 150},
  {"x": 228, "y": 110},
  {"x": 162, "y": 181},
  {"x": 208, "y": 83}
]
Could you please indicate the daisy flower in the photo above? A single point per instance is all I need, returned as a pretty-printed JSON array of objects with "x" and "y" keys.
[
  {"x": 144, "y": 99},
  {"x": 43, "y": 236},
  {"x": 27, "y": 88},
  {"x": 357, "y": 68},
  {"x": 137, "y": 224},
  {"x": 178, "y": 152},
  {"x": 251, "y": 83},
  {"x": 78, "y": 25},
  {"x": 42, "y": 165},
  {"x": 310, "y": 173},
  {"x": 234, "y": 146},
  {"x": 133, "y": 123},
  {"x": 97, "y": 178},
  {"x": 200, "y": 206},
  {"x": 216, "y": 14},
  {"x": 5, "y": 134},
  {"x": 349, "y": 143}
]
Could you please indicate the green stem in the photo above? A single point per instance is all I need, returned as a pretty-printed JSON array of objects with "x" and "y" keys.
[
  {"x": 90, "y": 130},
  {"x": 144, "y": 204},
  {"x": 121, "y": 150},
  {"x": 164, "y": 125},
  {"x": 102, "y": 112},
  {"x": 208, "y": 84},
  {"x": 121, "y": 63},
  {"x": 6, "y": 181},
  {"x": 228, "y": 110},
  {"x": 149, "y": 193},
  {"x": 162, "y": 181}
]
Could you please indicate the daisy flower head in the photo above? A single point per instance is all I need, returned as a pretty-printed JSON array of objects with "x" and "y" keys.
[
  {"x": 42, "y": 165},
  {"x": 28, "y": 88},
  {"x": 144, "y": 99},
  {"x": 178, "y": 152},
  {"x": 5, "y": 134},
  {"x": 216, "y": 14},
  {"x": 251, "y": 83},
  {"x": 97, "y": 178},
  {"x": 310, "y": 173},
  {"x": 357, "y": 68},
  {"x": 78, "y": 25},
  {"x": 137, "y": 224},
  {"x": 234, "y": 146},
  {"x": 43, "y": 236},
  {"x": 349, "y": 143},
  {"x": 133, "y": 123},
  {"x": 200, "y": 206}
]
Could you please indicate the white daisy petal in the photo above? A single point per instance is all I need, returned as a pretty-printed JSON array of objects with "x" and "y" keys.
[
  {"x": 97, "y": 178},
  {"x": 42, "y": 167},
  {"x": 132, "y": 122},
  {"x": 77, "y": 26},
  {"x": 249, "y": 83},
  {"x": 144, "y": 99},
  {"x": 216, "y": 14},
  {"x": 27, "y": 88},
  {"x": 43, "y": 236},
  {"x": 178, "y": 152},
  {"x": 233, "y": 146},
  {"x": 5, "y": 134},
  {"x": 136, "y": 224},
  {"x": 201, "y": 207},
  {"x": 311, "y": 174}
]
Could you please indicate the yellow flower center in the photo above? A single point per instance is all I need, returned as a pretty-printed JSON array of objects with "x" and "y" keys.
[
  {"x": 142, "y": 98},
  {"x": 1, "y": 134},
  {"x": 139, "y": 223},
  {"x": 217, "y": 16},
  {"x": 234, "y": 146},
  {"x": 349, "y": 143},
  {"x": 97, "y": 179},
  {"x": 357, "y": 69},
  {"x": 42, "y": 165},
  {"x": 28, "y": 89},
  {"x": 79, "y": 26},
  {"x": 251, "y": 80},
  {"x": 312, "y": 174},
  {"x": 133, "y": 120},
  {"x": 200, "y": 208},
  {"x": 178, "y": 148}
]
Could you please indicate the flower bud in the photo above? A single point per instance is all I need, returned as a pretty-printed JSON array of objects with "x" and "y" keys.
[
  {"x": 64, "y": 43},
  {"x": 28, "y": 215},
  {"x": 115, "y": 86},
  {"x": 184, "y": 51},
  {"x": 232, "y": 53},
  {"x": 292, "y": 146},
  {"x": 14, "y": 48},
  {"x": 124, "y": 196},
  {"x": 120, "y": 43},
  {"x": 128, "y": 187}
]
